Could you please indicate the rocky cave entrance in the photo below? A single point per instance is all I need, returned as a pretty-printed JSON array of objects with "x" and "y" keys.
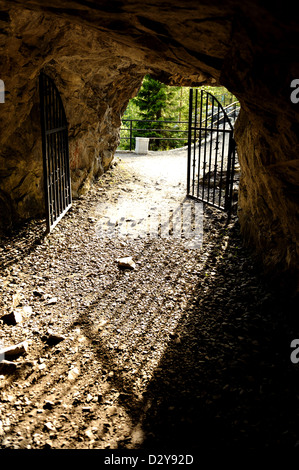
[
  {"x": 206, "y": 170},
  {"x": 97, "y": 73}
]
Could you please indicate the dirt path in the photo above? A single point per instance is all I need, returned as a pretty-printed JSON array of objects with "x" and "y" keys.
[{"x": 189, "y": 350}]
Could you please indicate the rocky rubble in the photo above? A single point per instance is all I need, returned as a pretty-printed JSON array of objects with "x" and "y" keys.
[
  {"x": 188, "y": 350},
  {"x": 98, "y": 55}
]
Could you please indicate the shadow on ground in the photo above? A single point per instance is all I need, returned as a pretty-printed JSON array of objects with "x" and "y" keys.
[
  {"x": 221, "y": 377},
  {"x": 226, "y": 379},
  {"x": 20, "y": 242}
]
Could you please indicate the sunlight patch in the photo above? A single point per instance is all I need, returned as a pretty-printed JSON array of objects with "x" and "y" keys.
[
  {"x": 2, "y": 355},
  {"x": 141, "y": 219}
]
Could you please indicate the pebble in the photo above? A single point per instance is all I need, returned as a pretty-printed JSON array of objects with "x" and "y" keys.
[
  {"x": 49, "y": 426},
  {"x": 86, "y": 409},
  {"x": 124, "y": 304},
  {"x": 16, "y": 299},
  {"x": 54, "y": 338},
  {"x": 73, "y": 373},
  {"x": 16, "y": 350},
  {"x": 126, "y": 262},
  {"x": 89, "y": 434},
  {"x": 111, "y": 410},
  {"x": 38, "y": 292},
  {"x": 48, "y": 405},
  {"x": 52, "y": 301},
  {"x": 12, "y": 318}
]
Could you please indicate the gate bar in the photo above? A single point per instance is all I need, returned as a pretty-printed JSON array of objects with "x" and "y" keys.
[
  {"x": 214, "y": 126},
  {"x": 55, "y": 152}
]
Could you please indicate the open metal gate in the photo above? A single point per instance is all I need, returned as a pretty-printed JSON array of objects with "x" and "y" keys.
[
  {"x": 57, "y": 183},
  {"x": 211, "y": 151}
]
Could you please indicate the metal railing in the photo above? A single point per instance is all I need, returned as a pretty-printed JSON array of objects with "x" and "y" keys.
[
  {"x": 133, "y": 132},
  {"x": 231, "y": 111}
]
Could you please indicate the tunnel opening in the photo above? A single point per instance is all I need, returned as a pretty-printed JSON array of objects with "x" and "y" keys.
[
  {"x": 117, "y": 343},
  {"x": 228, "y": 57},
  {"x": 204, "y": 170}
]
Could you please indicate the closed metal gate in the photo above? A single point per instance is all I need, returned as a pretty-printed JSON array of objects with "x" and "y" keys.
[
  {"x": 211, "y": 151},
  {"x": 57, "y": 183}
]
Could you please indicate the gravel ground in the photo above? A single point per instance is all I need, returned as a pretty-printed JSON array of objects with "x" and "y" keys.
[{"x": 190, "y": 350}]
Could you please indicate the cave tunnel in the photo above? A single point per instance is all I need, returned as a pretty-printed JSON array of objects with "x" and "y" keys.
[{"x": 98, "y": 53}]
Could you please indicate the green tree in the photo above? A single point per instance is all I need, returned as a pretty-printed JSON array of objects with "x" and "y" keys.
[
  {"x": 154, "y": 99},
  {"x": 161, "y": 103}
]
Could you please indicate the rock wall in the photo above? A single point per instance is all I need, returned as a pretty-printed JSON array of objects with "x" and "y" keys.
[
  {"x": 267, "y": 135},
  {"x": 98, "y": 52},
  {"x": 95, "y": 85},
  {"x": 96, "y": 74}
]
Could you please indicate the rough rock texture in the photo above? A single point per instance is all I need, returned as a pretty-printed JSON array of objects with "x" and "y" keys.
[
  {"x": 98, "y": 52},
  {"x": 95, "y": 86}
]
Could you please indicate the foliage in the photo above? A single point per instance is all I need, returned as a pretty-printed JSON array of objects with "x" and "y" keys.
[
  {"x": 169, "y": 107},
  {"x": 156, "y": 102},
  {"x": 221, "y": 93}
]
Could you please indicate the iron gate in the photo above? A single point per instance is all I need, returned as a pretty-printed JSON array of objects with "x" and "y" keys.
[
  {"x": 211, "y": 151},
  {"x": 57, "y": 183}
]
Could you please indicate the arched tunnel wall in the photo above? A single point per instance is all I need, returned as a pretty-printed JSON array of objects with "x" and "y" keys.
[{"x": 98, "y": 53}]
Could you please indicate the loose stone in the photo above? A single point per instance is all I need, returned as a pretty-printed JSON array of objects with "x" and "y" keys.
[{"x": 126, "y": 262}]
